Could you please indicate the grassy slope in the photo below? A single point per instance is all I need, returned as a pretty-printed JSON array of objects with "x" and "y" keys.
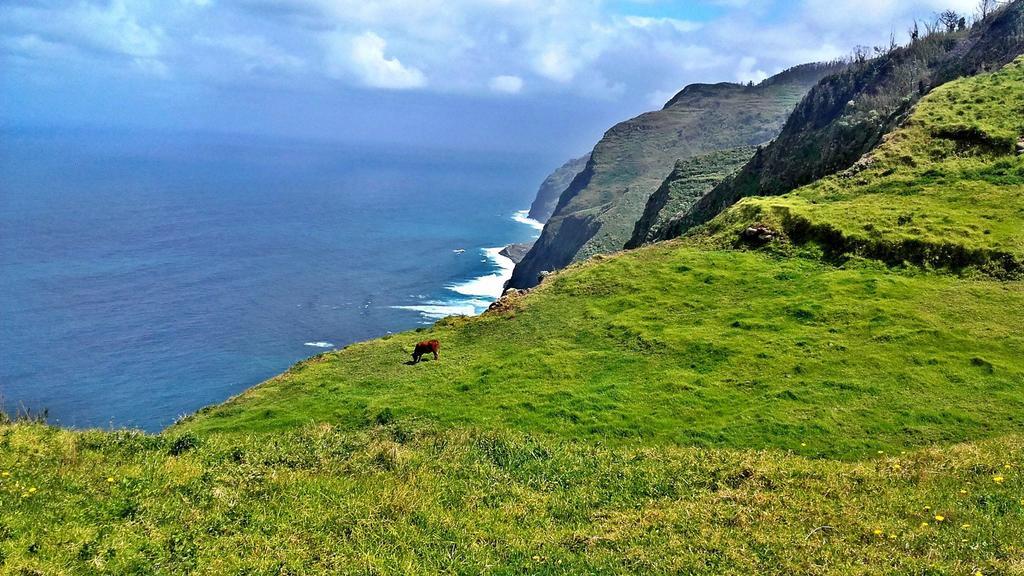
[
  {"x": 946, "y": 189},
  {"x": 392, "y": 501},
  {"x": 673, "y": 344}
]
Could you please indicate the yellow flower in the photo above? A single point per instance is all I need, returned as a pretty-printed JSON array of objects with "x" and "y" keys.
[
  {"x": 32, "y": 490},
  {"x": 897, "y": 467},
  {"x": 963, "y": 491},
  {"x": 804, "y": 444},
  {"x": 881, "y": 452},
  {"x": 5, "y": 473},
  {"x": 939, "y": 517},
  {"x": 978, "y": 573},
  {"x": 110, "y": 479},
  {"x": 924, "y": 524},
  {"x": 878, "y": 532},
  {"x": 965, "y": 526},
  {"x": 1008, "y": 466},
  {"x": 998, "y": 479}
]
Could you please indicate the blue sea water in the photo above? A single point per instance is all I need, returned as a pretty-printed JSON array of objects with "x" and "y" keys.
[{"x": 143, "y": 276}]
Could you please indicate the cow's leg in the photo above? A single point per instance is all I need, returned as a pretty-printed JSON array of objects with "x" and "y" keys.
[{"x": 435, "y": 354}]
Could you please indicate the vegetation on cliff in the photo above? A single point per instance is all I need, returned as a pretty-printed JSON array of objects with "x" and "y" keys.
[
  {"x": 848, "y": 113},
  {"x": 689, "y": 181}
]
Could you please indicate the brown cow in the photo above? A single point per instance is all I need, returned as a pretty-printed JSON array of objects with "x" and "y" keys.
[{"x": 425, "y": 347}]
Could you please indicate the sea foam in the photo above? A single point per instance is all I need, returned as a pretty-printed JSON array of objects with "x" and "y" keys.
[
  {"x": 523, "y": 217},
  {"x": 475, "y": 294},
  {"x": 491, "y": 285},
  {"x": 319, "y": 344}
]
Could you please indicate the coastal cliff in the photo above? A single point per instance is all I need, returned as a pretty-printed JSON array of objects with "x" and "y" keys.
[
  {"x": 598, "y": 211},
  {"x": 553, "y": 186}
]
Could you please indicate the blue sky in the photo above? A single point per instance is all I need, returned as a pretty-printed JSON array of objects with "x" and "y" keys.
[{"x": 517, "y": 75}]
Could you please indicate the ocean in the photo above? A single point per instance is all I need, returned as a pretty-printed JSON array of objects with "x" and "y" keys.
[{"x": 146, "y": 275}]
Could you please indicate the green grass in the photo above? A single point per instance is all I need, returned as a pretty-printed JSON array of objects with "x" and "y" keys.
[
  {"x": 946, "y": 189},
  {"x": 676, "y": 345},
  {"x": 394, "y": 500}
]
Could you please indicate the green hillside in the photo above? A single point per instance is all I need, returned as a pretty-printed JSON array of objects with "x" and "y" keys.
[
  {"x": 678, "y": 345},
  {"x": 945, "y": 190},
  {"x": 597, "y": 213},
  {"x": 825, "y": 382}
]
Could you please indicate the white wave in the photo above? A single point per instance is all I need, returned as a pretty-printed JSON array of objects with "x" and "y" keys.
[
  {"x": 439, "y": 310},
  {"x": 523, "y": 217},
  {"x": 490, "y": 285},
  {"x": 319, "y": 344}
]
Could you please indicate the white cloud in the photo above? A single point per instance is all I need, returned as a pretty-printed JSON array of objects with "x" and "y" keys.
[
  {"x": 556, "y": 63},
  {"x": 748, "y": 71},
  {"x": 591, "y": 48},
  {"x": 364, "y": 56},
  {"x": 507, "y": 84},
  {"x": 674, "y": 23},
  {"x": 254, "y": 53}
]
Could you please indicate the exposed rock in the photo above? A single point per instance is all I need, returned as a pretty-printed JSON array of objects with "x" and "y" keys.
[
  {"x": 507, "y": 302},
  {"x": 516, "y": 252},
  {"x": 758, "y": 235}
]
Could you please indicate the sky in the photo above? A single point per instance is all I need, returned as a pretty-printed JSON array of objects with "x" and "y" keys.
[{"x": 536, "y": 76}]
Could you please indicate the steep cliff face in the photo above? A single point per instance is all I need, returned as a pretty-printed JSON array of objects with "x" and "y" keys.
[
  {"x": 847, "y": 114},
  {"x": 597, "y": 212},
  {"x": 553, "y": 186},
  {"x": 689, "y": 181}
]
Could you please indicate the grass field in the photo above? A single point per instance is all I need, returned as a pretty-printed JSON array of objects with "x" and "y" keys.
[{"x": 400, "y": 500}]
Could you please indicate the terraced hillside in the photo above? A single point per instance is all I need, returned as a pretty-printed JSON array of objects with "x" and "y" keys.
[
  {"x": 688, "y": 182},
  {"x": 597, "y": 213},
  {"x": 784, "y": 390}
]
